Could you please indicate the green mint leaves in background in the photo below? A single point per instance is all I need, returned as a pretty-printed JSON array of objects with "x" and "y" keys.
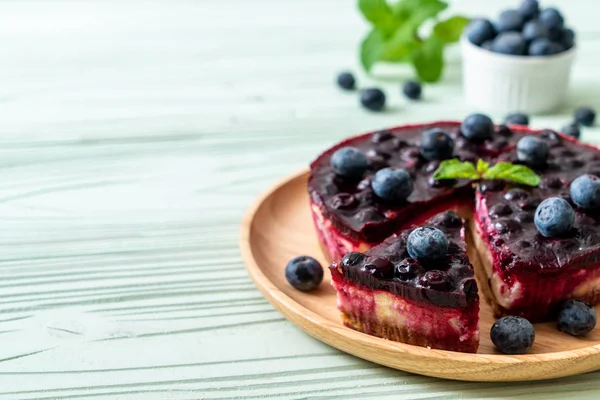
[
  {"x": 454, "y": 169},
  {"x": 395, "y": 35}
]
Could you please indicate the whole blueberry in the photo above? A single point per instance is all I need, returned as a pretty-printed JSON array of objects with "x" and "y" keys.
[
  {"x": 554, "y": 217},
  {"x": 585, "y": 191},
  {"x": 568, "y": 38},
  {"x": 412, "y": 90},
  {"x": 480, "y": 31},
  {"x": 535, "y": 30},
  {"x": 509, "y": 20},
  {"x": 372, "y": 99},
  {"x": 427, "y": 244},
  {"x": 576, "y": 318},
  {"x": 513, "y": 335},
  {"x": 511, "y": 43},
  {"x": 349, "y": 162},
  {"x": 516, "y": 119},
  {"x": 585, "y": 116},
  {"x": 304, "y": 273},
  {"x": 393, "y": 185},
  {"x": 572, "y": 129},
  {"x": 436, "y": 145},
  {"x": 529, "y": 9},
  {"x": 551, "y": 18},
  {"x": 544, "y": 47},
  {"x": 532, "y": 150},
  {"x": 477, "y": 127},
  {"x": 346, "y": 81}
]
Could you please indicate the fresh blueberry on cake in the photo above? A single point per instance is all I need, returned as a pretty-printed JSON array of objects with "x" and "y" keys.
[
  {"x": 517, "y": 119},
  {"x": 585, "y": 192},
  {"x": 572, "y": 129},
  {"x": 416, "y": 287}
]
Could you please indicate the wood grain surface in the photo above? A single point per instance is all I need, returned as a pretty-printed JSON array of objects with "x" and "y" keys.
[{"x": 133, "y": 136}]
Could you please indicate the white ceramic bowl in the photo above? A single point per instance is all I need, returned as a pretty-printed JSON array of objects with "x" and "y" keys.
[{"x": 503, "y": 83}]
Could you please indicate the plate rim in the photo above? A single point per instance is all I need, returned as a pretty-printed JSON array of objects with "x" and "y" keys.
[{"x": 346, "y": 339}]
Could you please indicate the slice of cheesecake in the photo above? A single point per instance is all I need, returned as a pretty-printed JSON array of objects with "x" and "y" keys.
[
  {"x": 521, "y": 271},
  {"x": 386, "y": 293}
]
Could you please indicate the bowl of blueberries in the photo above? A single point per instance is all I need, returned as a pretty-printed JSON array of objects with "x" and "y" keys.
[{"x": 520, "y": 61}]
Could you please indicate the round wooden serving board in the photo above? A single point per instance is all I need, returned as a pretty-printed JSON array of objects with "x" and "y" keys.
[{"x": 279, "y": 226}]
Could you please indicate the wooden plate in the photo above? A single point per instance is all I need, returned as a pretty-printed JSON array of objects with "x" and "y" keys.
[{"x": 278, "y": 227}]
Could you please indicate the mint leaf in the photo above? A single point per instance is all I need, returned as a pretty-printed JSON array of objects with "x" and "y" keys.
[
  {"x": 379, "y": 13},
  {"x": 513, "y": 173},
  {"x": 401, "y": 45},
  {"x": 454, "y": 169},
  {"x": 428, "y": 60},
  {"x": 449, "y": 31},
  {"x": 371, "y": 48},
  {"x": 482, "y": 166},
  {"x": 418, "y": 11}
]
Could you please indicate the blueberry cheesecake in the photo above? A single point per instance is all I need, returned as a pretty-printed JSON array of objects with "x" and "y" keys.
[
  {"x": 531, "y": 246},
  {"x": 416, "y": 287}
]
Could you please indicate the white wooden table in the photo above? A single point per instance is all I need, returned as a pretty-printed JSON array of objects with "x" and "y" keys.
[{"x": 133, "y": 135}]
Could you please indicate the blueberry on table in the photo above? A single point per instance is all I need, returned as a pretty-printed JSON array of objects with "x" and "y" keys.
[
  {"x": 304, "y": 273},
  {"x": 513, "y": 335},
  {"x": 576, "y": 318},
  {"x": 480, "y": 31},
  {"x": 529, "y": 9},
  {"x": 532, "y": 151},
  {"x": 412, "y": 90},
  {"x": 509, "y": 20},
  {"x": 477, "y": 127},
  {"x": 585, "y": 116},
  {"x": 535, "y": 30},
  {"x": 554, "y": 217},
  {"x": 427, "y": 244},
  {"x": 544, "y": 47},
  {"x": 372, "y": 99},
  {"x": 436, "y": 145},
  {"x": 349, "y": 162},
  {"x": 551, "y": 18},
  {"x": 346, "y": 81},
  {"x": 517, "y": 119},
  {"x": 393, "y": 185},
  {"x": 585, "y": 192},
  {"x": 572, "y": 129},
  {"x": 511, "y": 43}
]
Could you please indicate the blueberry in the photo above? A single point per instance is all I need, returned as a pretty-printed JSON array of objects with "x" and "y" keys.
[
  {"x": 477, "y": 127},
  {"x": 480, "y": 31},
  {"x": 532, "y": 150},
  {"x": 412, "y": 90},
  {"x": 551, "y": 18},
  {"x": 427, "y": 244},
  {"x": 529, "y": 9},
  {"x": 554, "y": 217},
  {"x": 509, "y": 43},
  {"x": 509, "y": 20},
  {"x": 345, "y": 80},
  {"x": 585, "y": 191},
  {"x": 534, "y": 30},
  {"x": 517, "y": 119},
  {"x": 585, "y": 116},
  {"x": 304, "y": 273},
  {"x": 568, "y": 38},
  {"x": 513, "y": 335},
  {"x": 393, "y": 185},
  {"x": 572, "y": 129},
  {"x": 436, "y": 145},
  {"x": 349, "y": 162},
  {"x": 576, "y": 318},
  {"x": 372, "y": 99},
  {"x": 544, "y": 47}
]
